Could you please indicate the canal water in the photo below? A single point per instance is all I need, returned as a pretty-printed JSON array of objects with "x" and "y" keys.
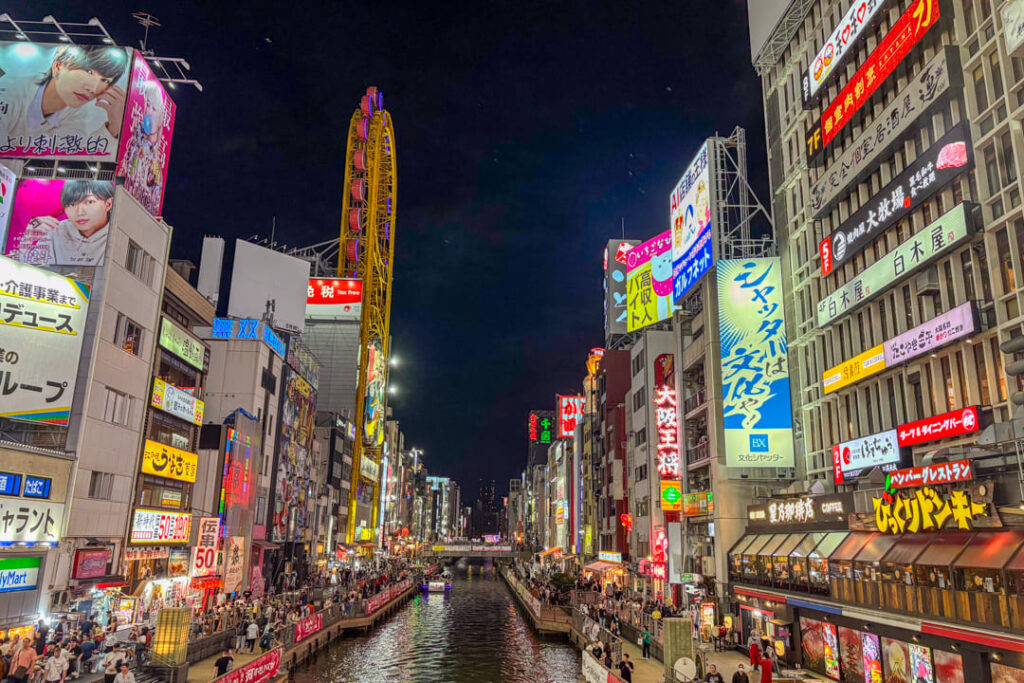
[{"x": 474, "y": 634}]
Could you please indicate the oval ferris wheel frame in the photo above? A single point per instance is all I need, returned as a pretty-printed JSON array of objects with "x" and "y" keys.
[{"x": 366, "y": 251}]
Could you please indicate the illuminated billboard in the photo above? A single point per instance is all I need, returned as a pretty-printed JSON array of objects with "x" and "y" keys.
[
  {"x": 904, "y": 35},
  {"x": 942, "y": 235},
  {"x": 666, "y": 420},
  {"x": 860, "y": 156},
  {"x": 1012, "y": 14},
  {"x": 373, "y": 400},
  {"x": 60, "y": 222},
  {"x": 42, "y": 340},
  {"x": 954, "y": 324},
  {"x": 690, "y": 210},
  {"x": 541, "y": 426},
  {"x": 756, "y": 410},
  {"x": 162, "y": 460},
  {"x": 615, "y": 286},
  {"x": 334, "y": 298},
  {"x": 7, "y": 182},
  {"x": 62, "y": 101},
  {"x": 182, "y": 344},
  {"x": 854, "y": 370},
  {"x": 671, "y": 496},
  {"x": 836, "y": 48},
  {"x": 262, "y": 278},
  {"x": 649, "y": 282},
  {"x": 160, "y": 526},
  {"x": 570, "y": 410},
  {"x": 295, "y": 466},
  {"x": 950, "y": 156},
  {"x": 145, "y": 144},
  {"x": 177, "y": 402},
  {"x": 877, "y": 450},
  {"x": 953, "y": 423}
]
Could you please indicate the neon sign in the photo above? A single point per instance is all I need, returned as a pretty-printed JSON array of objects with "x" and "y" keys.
[
  {"x": 668, "y": 442},
  {"x": 570, "y": 409}
]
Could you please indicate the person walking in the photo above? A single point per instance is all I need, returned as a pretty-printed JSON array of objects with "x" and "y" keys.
[
  {"x": 252, "y": 632},
  {"x": 645, "y": 641},
  {"x": 754, "y": 644},
  {"x": 23, "y": 661},
  {"x": 626, "y": 668},
  {"x": 740, "y": 676}
]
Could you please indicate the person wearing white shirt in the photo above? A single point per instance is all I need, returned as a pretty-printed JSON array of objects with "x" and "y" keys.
[
  {"x": 56, "y": 667},
  {"x": 125, "y": 676}
]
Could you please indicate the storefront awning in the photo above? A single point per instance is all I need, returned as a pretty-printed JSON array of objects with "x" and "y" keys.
[
  {"x": 828, "y": 545},
  {"x": 550, "y": 551},
  {"x": 600, "y": 566},
  {"x": 267, "y": 545},
  {"x": 758, "y": 544},
  {"x": 944, "y": 549},
  {"x": 990, "y": 549},
  {"x": 771, "y": 546},
  {"x": 876, "y": 548},
  {"x": 807, "y": 544},
  {"x": 787, "y": 546},
  {"x": 908, "y": 549},
  {"x": 851, "y": 546},
  {"x": 742, "y": 544}
]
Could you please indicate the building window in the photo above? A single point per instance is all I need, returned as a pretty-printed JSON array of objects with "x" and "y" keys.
[
  {"x": 980, "y": 93},
  {"x": 139, "y": 263},
  {"x": 164, "y": 493},
  {"x": 641, "y": 437},
  {"x": 1005, "y": 261},
  {"x": 101, "y": 485},
  {"x": 128, "y": 335},
  {"x": 116, "y": 409}
]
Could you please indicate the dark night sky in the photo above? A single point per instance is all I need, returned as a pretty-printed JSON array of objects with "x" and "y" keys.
[{"x": 525, "y": 131}]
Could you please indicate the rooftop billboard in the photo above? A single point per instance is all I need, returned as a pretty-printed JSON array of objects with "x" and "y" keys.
[
  {"x": 649, "y": 282},
  {"x": 263, "y": 278}
]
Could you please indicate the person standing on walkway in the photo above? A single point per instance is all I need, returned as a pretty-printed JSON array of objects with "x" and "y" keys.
[
  {"x": 755, "y": 650},
  {"x": 740, "y": 676},
  {"x": 252, "y": 632},
  {"x": 713, "y": 675},
  {"x": 223, "y": 664},
  {"x": 126, "y": 676},
  {"x": 626, "y": 668},
  {"x": 23, "y": 662},
  {"x": 645, "y": 641},
  {"x": 766, "y": 669}
]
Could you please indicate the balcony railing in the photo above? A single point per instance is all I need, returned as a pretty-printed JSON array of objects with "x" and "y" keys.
[
  {"x": 694, "y": 401},
  {"x": 697, "y": 454}
]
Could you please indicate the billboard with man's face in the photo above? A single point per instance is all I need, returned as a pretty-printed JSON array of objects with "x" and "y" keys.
[
  {"x": 145, "y": 143},
  {"x": 62, "y": 101},
  {"x": 60, "y": 222}
]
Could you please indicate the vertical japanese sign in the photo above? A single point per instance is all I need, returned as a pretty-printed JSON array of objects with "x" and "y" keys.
[
  {"x": 666, "y": 419},
  {"x": 204, "y": 555},
  {"x": 649, "y": 282},
  {"x": 615, "y": 286},
  {"x": 145, "y": 143},
  {"x": 541, "y": 426},
  {"x": 836, "y": 48},
  {"x": 41, "y": 327},
  {"x": 756, "y": 410},
  {"x": 570, "y": 410},
  {"x": 7, "y": 182},
  {"x": 234, "y": 564},
  {"x": 690, "y": 211}
]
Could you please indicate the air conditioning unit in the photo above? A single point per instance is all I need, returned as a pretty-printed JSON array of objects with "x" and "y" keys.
[
  {"x": 59, "y": 600},
  {"x": 928, "y": 282}
]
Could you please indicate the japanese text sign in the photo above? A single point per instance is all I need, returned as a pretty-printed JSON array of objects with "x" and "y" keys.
[
  {"x": 927, "y": 509},
  {"x": 854, "y": 370},
  {"x": 867, "y": 452},
  {"x": 541, "y": 426},
  {"x": 182, "y": 344},
  {"x": 950, "y": 156},
  {"x": 90, "y": 563},
  {"x": 160, "y": 526},
  {"x": 756, "y": 410},
  {"x": 247, "y": 328},
  {"x": 908, "y": 30},
  {"x": 260, "y": 670},
  {"x": 204, "y": 555},
  {"x": 10, "y": 484},
  {"x": 671, "y": 496},
  {"x": 697, "y": 504},
  {"x": 690, "y": 211},
  {"x": 941, "y": 236},
  {"x": 31, "y": 522},
  {"x": 161, "y": 460},
  {"x": 570, "y": 410},
  {"x": 666, "y": 418},
  {"x": 954, "y": 423},
  {"x": 304, "y": 628},
  {"x": 145, "y": 144},
  {"x": 954, "y": 324},
  {"x": 807, "y": 511},
  {"x": 837, "y": 46},
  {"x": 333, "y": 298},
  {"x": 234, "y": 564},
  {"x": 42, "y": 317},
  {"x": 37, "y": 487},
  {"x": 928, "y": 475},
  {"x": 860, "y": 156},
  {"x": 615, "y": 286},
  {"x": 173, "y": 400},
  {"x": 79, "y": 124},
  {"x": 649, "y": 282}
]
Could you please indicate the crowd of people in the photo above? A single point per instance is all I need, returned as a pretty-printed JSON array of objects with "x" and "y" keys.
[{"x": 63, "y": 652}]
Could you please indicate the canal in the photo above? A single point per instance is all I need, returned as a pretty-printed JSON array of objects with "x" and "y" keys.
[{"x": 475, "y": 634}]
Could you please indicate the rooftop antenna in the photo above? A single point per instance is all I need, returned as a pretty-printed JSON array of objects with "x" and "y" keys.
[
  {"x": 623, "y": 219},
  {"x": 147, "y": 20}
]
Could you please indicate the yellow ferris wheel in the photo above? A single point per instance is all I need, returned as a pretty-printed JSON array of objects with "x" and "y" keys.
[{"x": 367, "y": 251}]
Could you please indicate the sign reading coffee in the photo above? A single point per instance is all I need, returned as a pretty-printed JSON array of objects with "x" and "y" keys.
[{"x": 808, "y": 511}]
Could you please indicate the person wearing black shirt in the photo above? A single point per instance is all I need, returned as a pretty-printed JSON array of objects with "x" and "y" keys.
[
  {"x": 713, "y": 675},
  {"x": 224, "y": 663},
  {"x": 740, "y": 676},
  {"x": 626, "y": 669}
]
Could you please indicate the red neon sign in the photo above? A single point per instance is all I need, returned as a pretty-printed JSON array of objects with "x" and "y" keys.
[
  {"x": 955, "y": 423},
  {"x": 931, "y": 475},
  {"x": 570, "y": 410},
  {"x": 903, "y": 36},
  {"x": 334, "y": 291},
  {"x": 668, "y": 443}
]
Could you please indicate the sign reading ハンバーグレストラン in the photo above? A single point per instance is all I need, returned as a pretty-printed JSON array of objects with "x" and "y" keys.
[
  {"x": 690, "y": 210},
  {"x": 756, "y": 410},
  {"x": 860, "y": 157},
  {"x": 942, "y": 235},
  {"x": 929, "y": 173},
  {"x": 42, "y": 318}
]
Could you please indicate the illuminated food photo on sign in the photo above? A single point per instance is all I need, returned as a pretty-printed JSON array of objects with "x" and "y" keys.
[
  {"x": 939, "y": 237},
  {"x": 837, "y": 47},
  {"x": 756, "y": 410},
  {"x": 933, "y": 170},
  {"x": 858, "y": 455},
  {"x": 860, "y": 157}
]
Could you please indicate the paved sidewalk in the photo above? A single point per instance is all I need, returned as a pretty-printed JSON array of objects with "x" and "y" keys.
[{"x": 205, "y": 671}]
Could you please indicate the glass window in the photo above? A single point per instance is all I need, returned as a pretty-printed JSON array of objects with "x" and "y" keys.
[
  {"x": 117, "y": 407},
  {"x": 169, "y": 430},
  {"x": 128, "y": 335},
  {"x": 980, "y": 93},
  {"x": 979, "y": 359},
  {"x": 968, "y": 268},
  {"x": 164, "y": 493},
  {"x": 1005, "y": 261},
  {"x": 101, "y": 485},
  {"x": 138, "y": 262},
  {"x": 997, "y": 75},
  {"x": 1000, "y": 377},
  {"x": 991, "y": 170}
]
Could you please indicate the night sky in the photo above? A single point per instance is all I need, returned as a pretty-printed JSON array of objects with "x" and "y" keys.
[{"x": 526, "y": 133}]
